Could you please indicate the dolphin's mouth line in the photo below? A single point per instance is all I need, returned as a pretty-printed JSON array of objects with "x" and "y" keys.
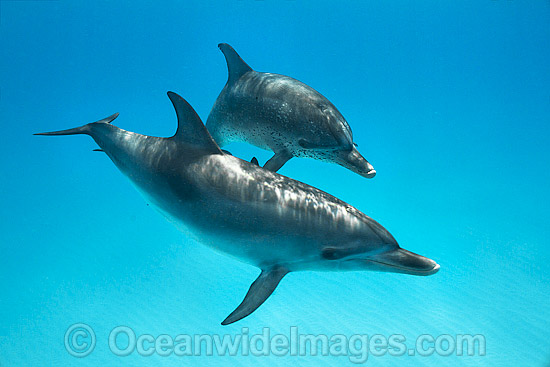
[{"x": 435, "y": 268}]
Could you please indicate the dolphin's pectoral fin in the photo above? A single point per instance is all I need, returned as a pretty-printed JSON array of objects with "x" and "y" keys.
[
  {"x": 235, "y": 65},
  {"x": 277, "y": 161},
  {"x": 254, "y": 160},
  {"x": 191, "y": 130},
  {"x": 259, "y": 291}
]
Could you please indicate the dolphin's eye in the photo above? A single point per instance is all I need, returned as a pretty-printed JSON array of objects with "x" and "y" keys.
[
  {"x": 331, "y": 253},
  {"x": 355, "y": 145}
]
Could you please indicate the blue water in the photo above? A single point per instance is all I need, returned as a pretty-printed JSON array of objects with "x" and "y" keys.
[{"x": 449, "y": 101}]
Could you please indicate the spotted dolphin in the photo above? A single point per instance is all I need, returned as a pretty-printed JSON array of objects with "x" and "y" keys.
[
  {"x": 252, "y": 214},
  {"x": 281, "y": 114}
]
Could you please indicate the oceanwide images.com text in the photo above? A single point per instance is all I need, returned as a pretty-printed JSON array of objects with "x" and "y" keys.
[{"x": 80, "y": 341}]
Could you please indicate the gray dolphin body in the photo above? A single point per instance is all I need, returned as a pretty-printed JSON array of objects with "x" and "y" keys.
[
  {"x": 250, "y": 213},
  {"x": 281, "y": 114}
]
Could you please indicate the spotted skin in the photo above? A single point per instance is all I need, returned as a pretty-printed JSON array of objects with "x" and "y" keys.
[
  {"x": 247, "y": 212},
  {"x": 281, "y": 114}
]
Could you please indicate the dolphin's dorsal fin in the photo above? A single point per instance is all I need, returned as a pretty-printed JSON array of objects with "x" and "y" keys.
[
  {"x": 259, "y": 291},
  {"x": 191, "y": 130},
  {"x": 235, "y": 65}
]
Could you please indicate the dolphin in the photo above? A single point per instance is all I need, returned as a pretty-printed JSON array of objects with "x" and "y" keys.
[
  {"x": 278, "y": 113},
  {"x": 252, "y": 214}
]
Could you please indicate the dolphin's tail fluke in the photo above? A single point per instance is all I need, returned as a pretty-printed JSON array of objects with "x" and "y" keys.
[
  {"x": 77, "y": 130},
  {"x": 80, "y": 130}
]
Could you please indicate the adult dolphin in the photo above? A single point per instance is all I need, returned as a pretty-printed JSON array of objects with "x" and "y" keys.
[
  {"x": 281, "y": 114},
  {"x": 255, "y": 215}
]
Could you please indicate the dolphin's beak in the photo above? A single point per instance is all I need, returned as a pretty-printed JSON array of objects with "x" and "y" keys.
[
  {"x": 354, "y": 161},
  {"x": 403, "y": 261}
]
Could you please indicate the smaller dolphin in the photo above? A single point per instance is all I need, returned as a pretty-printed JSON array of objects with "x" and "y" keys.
[
  {"x": 278, "y": 113},
  {"x": 260, "y": 217}
]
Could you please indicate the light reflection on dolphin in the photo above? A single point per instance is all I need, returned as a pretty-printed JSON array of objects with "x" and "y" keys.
[
  {"x": 257, "y": 216},
  {"x": 281, "y": 114}
]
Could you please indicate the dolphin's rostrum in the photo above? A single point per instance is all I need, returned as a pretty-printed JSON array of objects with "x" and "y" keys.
[
  {"x": 281, "y": 114},
  {"x": 257, "y": 216}
]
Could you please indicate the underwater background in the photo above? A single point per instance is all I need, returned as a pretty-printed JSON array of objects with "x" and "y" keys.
[{"x": 449, "y": 101}]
